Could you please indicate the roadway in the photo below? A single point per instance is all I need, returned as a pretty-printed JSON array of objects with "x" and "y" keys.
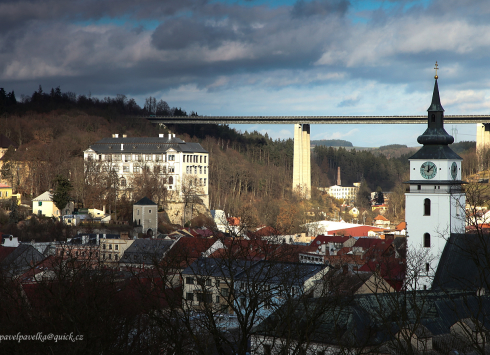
[{"x": 313, "y": 119}]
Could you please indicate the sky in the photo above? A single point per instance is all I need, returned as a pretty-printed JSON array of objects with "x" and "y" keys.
[{"x": 260, "y": 57}]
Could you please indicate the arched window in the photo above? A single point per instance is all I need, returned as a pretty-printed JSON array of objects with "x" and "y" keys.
[
  {"x": 427, "y": 207},
  {"x": 171, "y": 180},
  {"x": 122, "y": 182},
  {"x": 426, "y": 240}
]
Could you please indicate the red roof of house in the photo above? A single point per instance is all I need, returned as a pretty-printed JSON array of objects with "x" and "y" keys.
[
  {"x": 264, "y": 232},
  {"x": 392, "y": 271},
  {"x": 3, "y": 186},
  {"x": 380, "y": 218},
  {"x": 401, "y": 226},
  {"x": 366, "y": 243},
  {"x": 233, "y": 221}
]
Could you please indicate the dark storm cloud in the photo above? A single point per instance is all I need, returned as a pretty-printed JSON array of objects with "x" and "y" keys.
[
  {"x": 181, "y": 33},
  {"x": 218, "y": 46},
  {"x": 304, "y": 8}
]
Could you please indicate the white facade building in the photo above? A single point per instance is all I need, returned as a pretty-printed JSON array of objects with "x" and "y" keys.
[
  {"x": 435, "y": 203},
  {"x": 344, "y": 192},
  {"x": 166, "y": 155}
]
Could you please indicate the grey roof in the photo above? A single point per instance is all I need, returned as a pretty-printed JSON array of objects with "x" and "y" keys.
[
  {"x": 435, "y": 105},
  {"x": 374, "y": 319},
  {"x": 280, "y": 273},
  {"x": 465, "y": 263},
  {"x": 146, "y": 251},
  {"x": 216, "y": 267},
  {"x": 145, "y": 201},
  {"x": 145, "y": 145},
  {"x": 21, "y": 259},
  {"x": 430, "y": 152}
]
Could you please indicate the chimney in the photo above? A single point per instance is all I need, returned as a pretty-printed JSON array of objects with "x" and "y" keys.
[
  {"x": 103, "y": 209},
  {"x": 338, "y": 177},
  {"x": 170, "y": 136},
  {"x": 160, "y": 135}
]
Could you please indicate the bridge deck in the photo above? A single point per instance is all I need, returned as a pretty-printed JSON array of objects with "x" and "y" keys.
[{"x": 314, "y": 119}]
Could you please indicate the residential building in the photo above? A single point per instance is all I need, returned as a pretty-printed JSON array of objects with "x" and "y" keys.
[
  {"x": 145, "y": 214},
  {"x": 266, "y": 285},
  {"x": 5, "y": 192},
  {"x": 17, "y": 260},
  {"x": 43, "y": 205},
  {"x": 347, "y": 193},
  {"x": 210, "y": 282},
  {"x": 145, "y": 253},
  {"x": 167, "y": 156}
]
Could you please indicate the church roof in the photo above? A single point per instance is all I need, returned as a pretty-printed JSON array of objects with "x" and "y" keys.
[
  {"x": 464, "y": 263},
  {"x": 436, "y": 100},
  {"x": 436, "y": 152}
]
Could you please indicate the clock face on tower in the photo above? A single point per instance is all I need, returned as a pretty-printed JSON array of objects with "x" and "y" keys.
[
  {"x": 454, "y": 170},
  {"x": 428, "y": 170}
]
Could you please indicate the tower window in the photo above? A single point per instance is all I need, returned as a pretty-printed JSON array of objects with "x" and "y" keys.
[
  {"x": 419, "y": 187},
  {"x": 427, "y": 267},
  {"x": 433, "y": 118},
  {"x": 427, "y": 207},
  {"x": 426, "y": 240}
]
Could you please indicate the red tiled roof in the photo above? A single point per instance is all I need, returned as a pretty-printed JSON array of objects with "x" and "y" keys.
[
  {"x": 3, "y": 186},
  {"x": 380, "y": 218},
  {"x": 401, "y": 226},
  {"x": 367, "y": 243}
]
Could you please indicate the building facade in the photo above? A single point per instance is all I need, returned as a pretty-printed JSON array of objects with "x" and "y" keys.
[
  {"x": 178, "y": 162},
  {"x": 435, "y": 203}
]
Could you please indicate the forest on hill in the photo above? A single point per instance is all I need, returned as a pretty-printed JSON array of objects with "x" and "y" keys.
[{"x": 249, "y": 172}]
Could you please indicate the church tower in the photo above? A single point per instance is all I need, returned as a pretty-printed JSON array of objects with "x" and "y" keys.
[{"x": 435, "y": 203}]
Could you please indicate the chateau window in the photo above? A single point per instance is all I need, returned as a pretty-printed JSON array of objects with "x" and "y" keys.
[
  {"x": 137, "y": 158},
  {"x": 195, "y": 170},
  {"x": 427, "y": 207},
  {"x": 116, "y": 247},
  {"x": 148, "y": 157},
  {"x": 123, "y": 182},
  {"x": 125, "y": 169},
  {"x": 40, "y": 203},
  {"x": 204, "y": 170},
  {"x": 204, "y": 159},
  {"x": 171, "y": 180},
  {"x": 171, "y": 158},
  {"x": 200, "y": 170},
  {"x": 136, "y": 169},
  {"x": 200, "y": 159},
  {"x": 200, "y": 181},
  {"x": 171, "y": 169},
  {"x": 426, "y": 240},
  {"x": 116, "y": 157}
]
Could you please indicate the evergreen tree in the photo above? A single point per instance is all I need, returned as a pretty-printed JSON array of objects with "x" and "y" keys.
[{"x": 61, "y": 195}]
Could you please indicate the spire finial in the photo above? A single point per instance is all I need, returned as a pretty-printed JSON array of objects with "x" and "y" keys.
[{"x": 437, "y": 67}]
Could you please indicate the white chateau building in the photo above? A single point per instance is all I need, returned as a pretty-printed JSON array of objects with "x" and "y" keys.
[
  {"x": 166, "y": 155},
  {"x": 435, "y": 203}
]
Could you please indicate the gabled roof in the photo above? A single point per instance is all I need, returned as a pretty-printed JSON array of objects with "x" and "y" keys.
[
  {"x": 144, "y": 145},
  {"x": 21, "y": 258},
  {"x": 146, "y": 251},
  {"x": 45, "y": 196},
  {"x": 2, "y": 186},
  {"x": 401, "y": 226},
  {"x": 367, "y": 243},
  {"x": 145, "y": 201},
  {"x": 381, "y": 218},
  {"x": 360, "y": 231}
]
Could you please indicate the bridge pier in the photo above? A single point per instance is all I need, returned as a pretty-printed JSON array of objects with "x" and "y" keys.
[{"x": 301, "y": 161}]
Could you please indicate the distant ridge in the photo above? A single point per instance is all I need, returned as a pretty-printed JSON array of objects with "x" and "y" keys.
[{"x": 332, "y": 143}]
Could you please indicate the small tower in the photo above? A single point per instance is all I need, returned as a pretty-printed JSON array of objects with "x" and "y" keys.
[
  {"x": 435, "y": 203},
  {"x": 145, "y": 214}
]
